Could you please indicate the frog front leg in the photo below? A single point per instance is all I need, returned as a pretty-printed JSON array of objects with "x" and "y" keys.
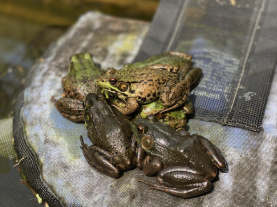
[
  {"x": 100, "y": 159},
  {"x": 128, "y": 107},
  {"x": 152, "y": 165},
  {"x": 180, "y": 181},
  {"x": 174, "y": 95},
  {"x": 72, "y": 109}
]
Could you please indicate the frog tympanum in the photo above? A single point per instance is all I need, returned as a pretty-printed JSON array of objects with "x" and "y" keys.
[
  {"x": 152, "y": 79},
  {"x": 80, "y": 81},
  {"x": 114, "y": 147},
  {"x": 186, "y": 164}
]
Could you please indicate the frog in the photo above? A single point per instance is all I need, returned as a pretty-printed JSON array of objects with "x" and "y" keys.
[
  {"x": 81, "y": 80},
  {"x": 145, "y": 82},
  {"x": 185, "y": 165},
  {"x": 114, "y": 148},
  {"x": 176, "y": 118}
]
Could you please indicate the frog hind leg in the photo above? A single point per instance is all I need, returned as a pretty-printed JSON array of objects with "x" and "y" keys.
[
  {"x": 72, "y": 109},
  {"x": 213, "y": 152},
  {"x": 172, "y": 91},
  {"x": 182, "y": 182},
  {"x": 74, "y": 118},
  {"x": 130, "y": 106},
  {"x": 193, "y": 75},
  {"x": 100, "y": 160}
]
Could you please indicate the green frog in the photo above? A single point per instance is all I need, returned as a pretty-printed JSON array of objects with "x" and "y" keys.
[
  {"x": 114, "y": 148},
  {"x": 186, "y": 164},
  {"x": 175, "y": 118},
  {"x": 80, "y": 81},
  {"x": 152, "y": 79}
]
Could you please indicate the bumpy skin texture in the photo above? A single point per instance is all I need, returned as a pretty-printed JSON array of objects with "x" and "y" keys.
[
  {"x": 185, "y": 164},
  {"x": 80, "y": 81},
  {"x": 158, "y": 77},
  {"x": 175, "y": 118},
  {"x": 113, "y": 149}
]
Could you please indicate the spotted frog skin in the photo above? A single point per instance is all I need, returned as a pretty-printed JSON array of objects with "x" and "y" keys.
[
  {"x": 185, "y": 164},
  {"x": 145, "y": 82},
  {"x": 114, "y": 148},
  {"x": 80, "y": 81}
]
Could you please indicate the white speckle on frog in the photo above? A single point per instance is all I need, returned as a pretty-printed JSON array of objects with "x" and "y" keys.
[{"x": 248, "y": 95}]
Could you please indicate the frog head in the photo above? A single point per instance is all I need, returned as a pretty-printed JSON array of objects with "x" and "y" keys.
[
  {"x": 153, "y": 136},
  {"x": 113, "y": 81}
]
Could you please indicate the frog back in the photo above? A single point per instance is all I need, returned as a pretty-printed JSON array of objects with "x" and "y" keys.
[
  {"x": 175, "y": 149},
  {"x": 109, "y": 130},
  {"x": 81, "y": 79},
  {"x": 164, "y": 59},
  {"x": 139, "y": 75}
]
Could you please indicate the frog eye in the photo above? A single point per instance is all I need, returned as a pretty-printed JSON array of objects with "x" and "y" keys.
[
  {"x": 123, "y": 87},
  {"x": 113, "y": 81},
  {"x": 73, "y": 58},
  {"x": 147, "y": 142},
  {"x": 142, "y": 128},
  {"x": 88, "y": 56}
]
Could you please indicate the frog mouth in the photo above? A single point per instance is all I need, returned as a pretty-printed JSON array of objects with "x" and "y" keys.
[
  {"x": 111, "y": 90},
  {"x": 108, "y": 87}
]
